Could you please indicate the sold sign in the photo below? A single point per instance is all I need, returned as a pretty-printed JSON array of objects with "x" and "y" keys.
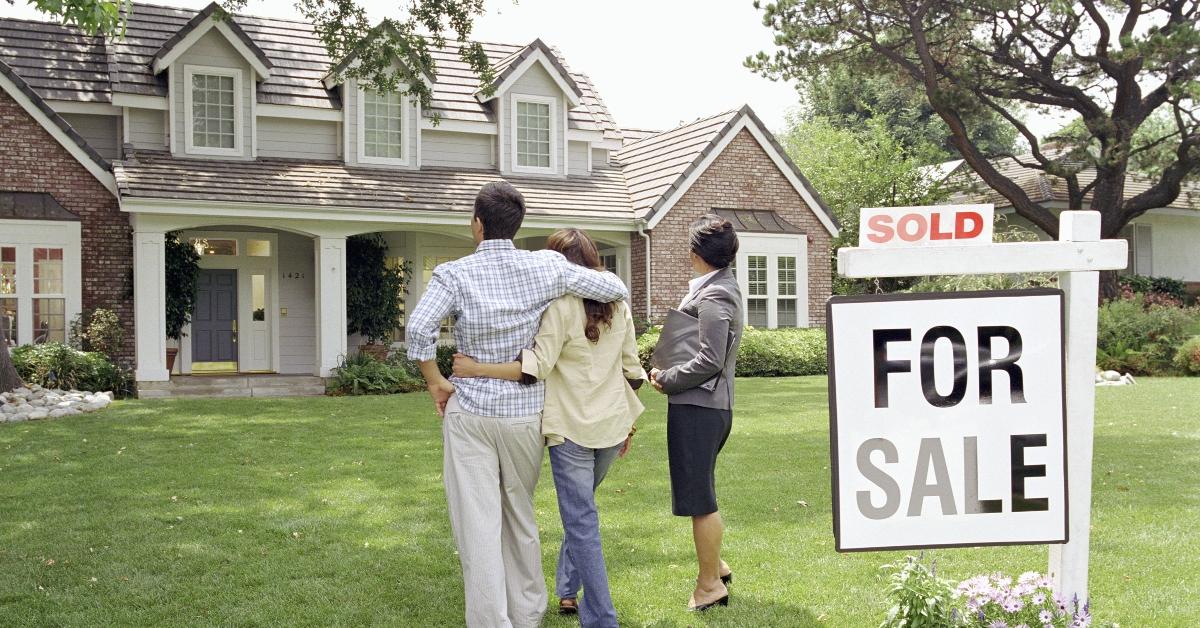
[{"x": 936, "y": 225}]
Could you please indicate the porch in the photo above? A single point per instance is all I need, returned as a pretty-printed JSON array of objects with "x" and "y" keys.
[{"x": 271, "y": 296}]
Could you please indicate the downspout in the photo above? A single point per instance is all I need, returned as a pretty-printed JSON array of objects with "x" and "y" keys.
[{"x": 646, "y": 236}]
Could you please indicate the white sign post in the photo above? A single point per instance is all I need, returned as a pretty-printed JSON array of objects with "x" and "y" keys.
[{"x": 1077, "y": 256}]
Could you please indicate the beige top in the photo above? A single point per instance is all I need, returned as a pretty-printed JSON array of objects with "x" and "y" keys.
[{"x": 587, "y": 398}]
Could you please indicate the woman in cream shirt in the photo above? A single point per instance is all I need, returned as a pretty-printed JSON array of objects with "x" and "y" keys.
[{"x": 587, "y": 354}]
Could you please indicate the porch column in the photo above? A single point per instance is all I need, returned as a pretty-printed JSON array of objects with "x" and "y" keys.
[
  {"x": 150, "y": 306},
  {"x": 330, "y": 266}
]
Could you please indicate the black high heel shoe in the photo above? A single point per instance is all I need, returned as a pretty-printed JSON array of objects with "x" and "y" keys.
[
  {"x": 727, "y": 579},
  {"x": 724, "y": 601}
]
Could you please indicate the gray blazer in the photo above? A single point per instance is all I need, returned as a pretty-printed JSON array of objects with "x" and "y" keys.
[{"x": 718, "y": 306}]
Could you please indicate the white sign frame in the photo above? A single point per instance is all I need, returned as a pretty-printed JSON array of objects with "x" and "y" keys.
[
  {"x": 1077, "y": 257},
  {"x": 848, "y": 523}
]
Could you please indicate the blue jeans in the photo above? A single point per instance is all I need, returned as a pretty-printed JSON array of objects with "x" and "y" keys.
[{"x": 578, "y": 471}]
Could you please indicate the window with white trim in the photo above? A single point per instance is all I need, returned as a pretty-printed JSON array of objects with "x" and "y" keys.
[
  {"x": 785, "y": 301},
  {"x": 383, "y": 125},
  {"x": 32, "y": 280},
  {"x": 756, "y": 293},
  {"x": 213, "y": 108},
  {"x": 533, "y": 134}
]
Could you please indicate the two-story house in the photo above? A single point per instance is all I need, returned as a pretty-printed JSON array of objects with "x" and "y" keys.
[{"x": 242, "y": 136}]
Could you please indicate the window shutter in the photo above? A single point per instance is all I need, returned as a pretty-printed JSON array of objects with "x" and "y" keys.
[{"x": 1144, "y": 250}]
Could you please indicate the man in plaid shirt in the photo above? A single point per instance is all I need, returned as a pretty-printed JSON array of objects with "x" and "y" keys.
[{"x": 491, "y": 429}]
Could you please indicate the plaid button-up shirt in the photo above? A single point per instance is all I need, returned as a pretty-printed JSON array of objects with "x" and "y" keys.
[{"x": 496, "y": 297}]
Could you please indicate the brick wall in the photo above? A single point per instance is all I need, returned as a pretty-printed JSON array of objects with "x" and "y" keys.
[
  {"x": 741, "y": 177},
  {"x": 31, "y": 160}
]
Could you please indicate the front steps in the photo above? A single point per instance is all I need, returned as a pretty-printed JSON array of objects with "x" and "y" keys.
[{"x": 265, "y": 385}]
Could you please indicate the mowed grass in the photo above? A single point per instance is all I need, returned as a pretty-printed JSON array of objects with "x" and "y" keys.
[{"x": 327, "y": 512}]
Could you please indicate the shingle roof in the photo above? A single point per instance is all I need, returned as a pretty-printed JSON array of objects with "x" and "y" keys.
[
  {"x": 28, "y": 90},
  {"x": 32, "y": 206},
  {"x": 82, "y": 69},
  {"x": 658, "y": 164},
  {"x": 757, "y": 221},
  {"x": 1047, "y": 188},
  {"x": 332, "y": 184}
]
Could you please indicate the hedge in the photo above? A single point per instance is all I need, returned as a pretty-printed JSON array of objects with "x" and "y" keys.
[
  {"x": 765, "y": 352},
  {"x": 55, "y": 365}
]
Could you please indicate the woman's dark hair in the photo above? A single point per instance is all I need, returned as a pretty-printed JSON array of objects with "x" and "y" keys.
[
  {"x": 714, "y": 240},
  {"x": 578, "y": 248},
  {"x": 500, "y": 208}
]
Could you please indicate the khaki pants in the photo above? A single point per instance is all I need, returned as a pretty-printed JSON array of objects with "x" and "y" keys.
[{"x": 491, "y": 468}]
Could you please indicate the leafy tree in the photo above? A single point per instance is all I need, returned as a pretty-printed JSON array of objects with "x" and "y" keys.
[
  {"x": 9, "y": 379},
  {"x": 181, "y": 268},
  {"x": 849, "y": 100},
  {"x": 374, "y": 288},
  {"x": 1112, "y": 64},
  {"x": 393, "y": 55},
  {"x": 857, "y": 168}
]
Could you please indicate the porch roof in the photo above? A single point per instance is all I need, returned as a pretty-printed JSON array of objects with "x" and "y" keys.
[{"x": 332, "y": 184}]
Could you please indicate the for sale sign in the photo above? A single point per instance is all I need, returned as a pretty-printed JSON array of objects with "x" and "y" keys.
[{"x": 947, "y": 419}]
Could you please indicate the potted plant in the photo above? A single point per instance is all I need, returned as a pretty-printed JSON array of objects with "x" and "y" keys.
[
  {"x": 182, "y": 266},
  {"x": 375, "y": 292}
]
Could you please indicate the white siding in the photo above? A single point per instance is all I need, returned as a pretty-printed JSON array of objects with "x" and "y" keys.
[
  {"x": 214, "y": 51},
  {"x": 577, "y": 158},
  {"x": 535, "y": 82},
  {"x": 298, "y": 139},
  {"x": 457, "y": 150},
  {"x": 599, "y": 157},
  {"x": 297, "y": 330},
  {"x": 147, "y": 128},
  {"x": 1174, "y": 249},
  {"x": 102, "y": 132}
]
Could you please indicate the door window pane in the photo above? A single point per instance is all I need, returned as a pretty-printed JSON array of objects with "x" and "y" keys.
[
  {"x": 208, "y": 247},
  {"x": 258, "y": 297},
  {"x": 8, "y": 307},
  {"x": 756, "y": 312},
  {"x": 47, "y": 271},
  {"x": 49, "y": 320},
  {"x": 383, "y": 123},
  {"x": 213, "y": 111},
  {"x": 8, "y": 270},
  {"x": 533, "y": 134},
  {"x": 258, "y": 248}
]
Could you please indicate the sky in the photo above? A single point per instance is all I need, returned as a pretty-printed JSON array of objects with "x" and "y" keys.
[{"x": 656, "y": 63}]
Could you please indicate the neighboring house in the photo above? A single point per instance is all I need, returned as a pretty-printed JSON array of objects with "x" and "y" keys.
[
  {"x": 1163, "y": 242},
  {"x": 241, "y": 135}
]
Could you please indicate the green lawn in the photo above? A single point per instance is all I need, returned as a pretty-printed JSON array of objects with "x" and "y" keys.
[{"x": 331, "y": 512}]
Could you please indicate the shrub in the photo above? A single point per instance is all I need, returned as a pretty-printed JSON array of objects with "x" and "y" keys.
[
  {"x": 375, "y": 288},
  {"x": 1187, "y": 358},
  {"x": 765, "y": 352},
  {"x": 1134, "y": 338},
  {"x": 1174, "y": 289},
  {"x": 920, "y": 599},
  {"x": 55, "y": 365},
  {"x": 99, "y": 330},
  {"x": 182, "y": 266},
  {"x": 362, "y": 374}
]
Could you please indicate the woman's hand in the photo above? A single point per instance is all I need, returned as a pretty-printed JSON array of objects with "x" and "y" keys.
[
  {"x": 653, "y": 379},
  {"x": 465, "y": 366},
  {"x": 625, "y": 446}
]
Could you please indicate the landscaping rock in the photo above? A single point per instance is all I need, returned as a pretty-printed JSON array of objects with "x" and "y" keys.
[{"x": 34, "y": 403}]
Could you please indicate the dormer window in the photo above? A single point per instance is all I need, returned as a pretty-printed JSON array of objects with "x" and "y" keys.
[
  {"x": 381, "y": 128},
  {"x": 533, "y": 134},
  {"x": 213, "y": 105}
]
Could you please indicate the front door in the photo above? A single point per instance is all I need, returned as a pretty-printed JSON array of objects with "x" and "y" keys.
[{"x": 214, "y": 321}]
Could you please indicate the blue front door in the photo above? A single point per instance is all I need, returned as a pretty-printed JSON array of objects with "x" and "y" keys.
[{"x": 214, "y": 321}]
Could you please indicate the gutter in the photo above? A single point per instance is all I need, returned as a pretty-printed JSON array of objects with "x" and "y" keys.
[{"x": 642, "y": 231}]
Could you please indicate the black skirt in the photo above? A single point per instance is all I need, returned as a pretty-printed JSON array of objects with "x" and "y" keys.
[{"x": 695, "y": 435}]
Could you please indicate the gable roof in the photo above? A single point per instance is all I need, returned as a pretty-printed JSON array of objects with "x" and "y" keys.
[
  {"x": 56, "y": 126},
  {"x": 511, "y": 67},
  {"x": 209, "y": 18},
  {"x": 1042, "y": 187},
  {"x": 90, "y": 69},
  {"x": 660, "y": 168},
  {"x": 333, "y": 77}
]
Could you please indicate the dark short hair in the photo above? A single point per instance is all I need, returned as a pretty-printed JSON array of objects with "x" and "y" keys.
[
  {"x": 714, "y": 240},
  {"x": 501, "y": 209}
]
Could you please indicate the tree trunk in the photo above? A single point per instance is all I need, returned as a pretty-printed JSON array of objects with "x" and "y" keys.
[
  {"x": 1110, "y": 288},
  {"x": 9, "y": 380}
]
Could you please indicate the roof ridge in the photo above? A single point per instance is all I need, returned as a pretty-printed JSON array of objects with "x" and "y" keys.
[{"x": 658, "y": 134}]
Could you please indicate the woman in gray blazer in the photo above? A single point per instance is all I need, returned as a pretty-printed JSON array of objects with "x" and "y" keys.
[{"x": 700, "y": 403}]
